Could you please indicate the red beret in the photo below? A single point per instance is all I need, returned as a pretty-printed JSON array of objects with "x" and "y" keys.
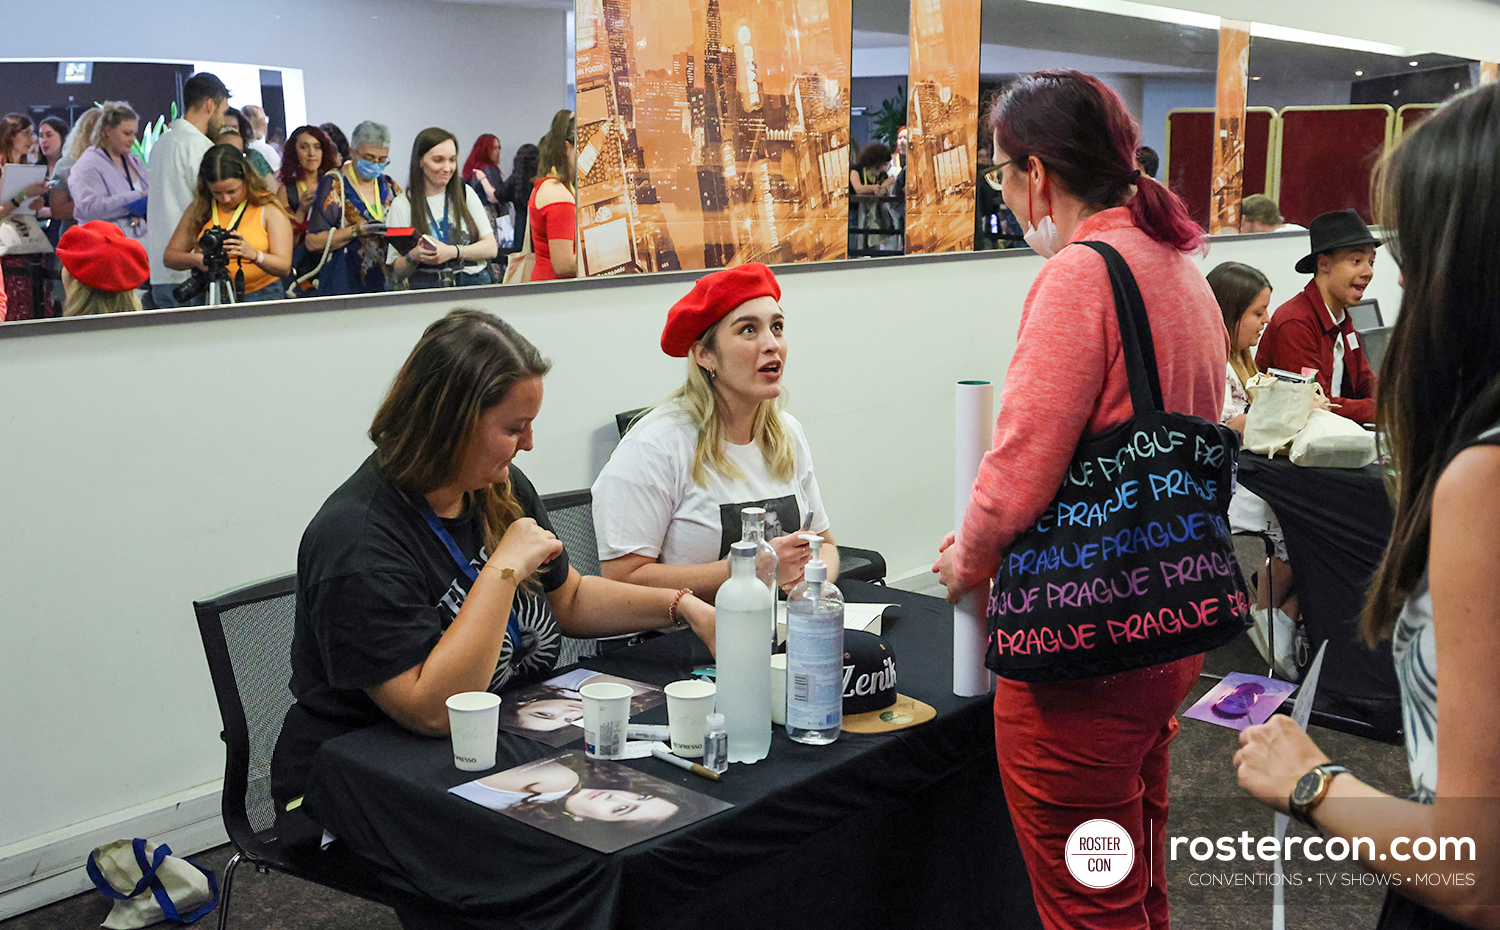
[
  {"x": 711, "y": 299},
  {"x": 100, "y": 255}
]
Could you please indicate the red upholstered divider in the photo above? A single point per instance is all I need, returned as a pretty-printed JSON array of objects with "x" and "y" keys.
[
  {"x": 1412, "y": 114},
  {"x": 1257, "y": 151},
  {"x": 1327, "y": 156},
  {"x": 1190, "y": 164},
  {"x": 1190, "y": 160}
]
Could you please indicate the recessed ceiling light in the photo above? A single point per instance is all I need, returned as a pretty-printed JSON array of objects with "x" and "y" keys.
[
  {"x": 1254, "y": 78},
  {"x": 1359, "y": 74},
  {"x": 1413, "y": 63}
]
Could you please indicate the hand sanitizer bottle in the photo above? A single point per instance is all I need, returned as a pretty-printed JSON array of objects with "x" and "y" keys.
[
  {"x": 815, "y": 655},
  {"x": 743, "y": 625}
]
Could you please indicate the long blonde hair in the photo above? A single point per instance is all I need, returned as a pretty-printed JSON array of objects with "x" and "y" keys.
[
  {"x": 83, "y": 300},
  {"x": 705, "y": 407}
]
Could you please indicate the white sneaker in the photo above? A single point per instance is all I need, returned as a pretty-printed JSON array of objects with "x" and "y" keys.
[{"x": 1283, "y": 631}]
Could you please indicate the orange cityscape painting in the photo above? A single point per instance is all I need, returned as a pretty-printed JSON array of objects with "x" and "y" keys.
[
  {"x": 712, "y": 132},
  {"x": 942, "y": 126}
]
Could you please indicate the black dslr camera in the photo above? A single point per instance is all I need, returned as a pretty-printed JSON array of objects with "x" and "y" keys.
[{"x": 215, "y": 271}]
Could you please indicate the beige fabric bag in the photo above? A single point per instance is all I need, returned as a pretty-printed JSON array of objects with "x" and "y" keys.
[
  {"x": 1331, "y": 441},
  {"x": 1278, "y": 411},
  {"x": 519, "y": 265}
]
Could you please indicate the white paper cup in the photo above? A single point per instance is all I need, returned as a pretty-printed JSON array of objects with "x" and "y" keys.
[
  {"x": 606, "y": 710},
  {"x": 474, "y": 723},
  {"x": 689, "y": 702},
  {"x": 778, "y": 688}
]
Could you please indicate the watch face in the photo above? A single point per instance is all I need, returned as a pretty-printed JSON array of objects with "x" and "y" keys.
[{"x": 1307, "y": 788}]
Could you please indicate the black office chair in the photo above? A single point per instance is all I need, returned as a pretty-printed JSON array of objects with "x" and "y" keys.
[
  {"x": 854, "y": 564},
  {"x": 572, "y": 516},
  {"x": 247, "y": 638}
]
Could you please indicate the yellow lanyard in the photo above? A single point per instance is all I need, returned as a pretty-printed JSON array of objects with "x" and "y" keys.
[
  {"x": 234, "y": 221},
  {"x": 376, "y": 208}
]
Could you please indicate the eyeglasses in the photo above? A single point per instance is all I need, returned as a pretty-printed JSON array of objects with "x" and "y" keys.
[
  {"x": 991, "y": 174},
  {"x": 383, "y": 163}
]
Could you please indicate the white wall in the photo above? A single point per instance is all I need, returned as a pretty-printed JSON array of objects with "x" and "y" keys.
[{"x": 470, "y": 68}]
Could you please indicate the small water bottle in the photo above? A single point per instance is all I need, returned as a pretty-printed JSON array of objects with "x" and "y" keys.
[
  {"x": 815, "y": 655},
  {"x": 716, "y": 745}
]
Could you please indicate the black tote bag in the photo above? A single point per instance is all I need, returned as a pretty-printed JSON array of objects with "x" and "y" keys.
[{"x": 1131, "y": 564}]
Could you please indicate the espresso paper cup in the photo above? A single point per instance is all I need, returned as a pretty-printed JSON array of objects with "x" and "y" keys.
[
  {"x": 778, "y": 689},
  {"x": 474, "y": 724},
  {"x": 606, "y": 710},
  {"x": 689, "y": 702}
]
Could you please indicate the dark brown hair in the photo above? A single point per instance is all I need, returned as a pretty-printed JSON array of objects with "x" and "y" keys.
[
  {"x": 1236, "y": 286},
  {"x": 1440, "y": 382},
  {"x": 224, "y": 162},
  {"x": 464, "y": 364},
  {"x": 427, "y": 140},
  {"x": 10, "y": 125},
  {"x": 552, "y": 151}
]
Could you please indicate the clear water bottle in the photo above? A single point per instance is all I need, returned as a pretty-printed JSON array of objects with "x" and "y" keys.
[
  {"x": 767, "y": 563},
  {"x": 815, "y": 655},
  {"x": 743, "y": 625},
  {"x": 715, "y": 745}
]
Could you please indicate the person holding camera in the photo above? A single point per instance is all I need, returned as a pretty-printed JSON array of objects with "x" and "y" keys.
[
  {"x": 172, "y": 170},
  {"x": 234, "y": 230},
  {"x": 454, "y": 241}
]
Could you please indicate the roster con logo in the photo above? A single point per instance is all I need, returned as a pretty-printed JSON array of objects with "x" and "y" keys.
[{"x": 1099, "y": 854}]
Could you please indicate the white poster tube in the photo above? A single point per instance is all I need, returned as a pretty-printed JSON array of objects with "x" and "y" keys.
[{"x": 973, "y": 432}]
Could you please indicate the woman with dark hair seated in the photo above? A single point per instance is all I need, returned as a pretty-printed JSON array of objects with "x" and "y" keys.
[
  {"x": 232, "y": 197},
  {"x": 433, "y": 570},
  {"x": 455, "y": 240}
]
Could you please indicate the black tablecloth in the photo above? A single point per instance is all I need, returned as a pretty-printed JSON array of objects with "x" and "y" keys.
[
  {"x": 1336, "y": 521},
  {"x": 904, "y": 829}
]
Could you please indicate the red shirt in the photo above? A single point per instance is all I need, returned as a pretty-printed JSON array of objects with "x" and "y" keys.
[
  {"x": 1067, "y": 376},
  {"x": 554, "y": 221},
  {"x": 1301, "y": 334}
]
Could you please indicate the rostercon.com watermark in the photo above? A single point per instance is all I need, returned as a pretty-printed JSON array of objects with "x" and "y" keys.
[
  {"x": 1099, "y": 853},
  {"x": 1246, "y": 848}
]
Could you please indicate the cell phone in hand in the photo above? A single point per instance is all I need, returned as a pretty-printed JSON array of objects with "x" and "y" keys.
[
  {"x": 430, "y": 242},
  {"x": 807, "y": 522}
]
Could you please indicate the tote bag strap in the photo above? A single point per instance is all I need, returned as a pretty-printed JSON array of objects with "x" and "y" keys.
[{"x": 1135, "y": 331}]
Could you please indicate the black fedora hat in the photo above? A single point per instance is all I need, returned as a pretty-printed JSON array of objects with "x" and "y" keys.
[{"x": 1342, "y": 229}]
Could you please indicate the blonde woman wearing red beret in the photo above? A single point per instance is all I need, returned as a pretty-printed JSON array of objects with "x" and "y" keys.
[
  {"x": 103, "y": 269},
  {"x": 667, "y": 504}
]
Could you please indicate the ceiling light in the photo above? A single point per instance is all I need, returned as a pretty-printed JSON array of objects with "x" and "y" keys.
[
  {"x": 1254, "y": 78},
  {"x": 1413, "y": 63},
  {"x": 1359, "y": 74},
  {"x": 1287, "y": 34}
]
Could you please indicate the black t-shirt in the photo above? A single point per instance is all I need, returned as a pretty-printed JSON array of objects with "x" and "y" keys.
[{"x": 376, "y": 588}]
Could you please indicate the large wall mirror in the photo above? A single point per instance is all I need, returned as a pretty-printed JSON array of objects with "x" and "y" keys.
[{"x": 710, "y": 132}]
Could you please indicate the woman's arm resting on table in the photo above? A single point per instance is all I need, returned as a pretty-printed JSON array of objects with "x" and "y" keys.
[
  {"x": 1466, "y": 623},
  {"x": 704, "y": 578},
  {"x": 593, "y": 606},
  {"x": 465, "y": 658}
]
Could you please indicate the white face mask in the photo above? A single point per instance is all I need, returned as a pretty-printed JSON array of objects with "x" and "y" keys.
[{"x": 1044, "y": 239}]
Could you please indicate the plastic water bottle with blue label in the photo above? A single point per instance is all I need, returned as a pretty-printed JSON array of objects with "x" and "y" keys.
[{"x": 815, "y": 655}]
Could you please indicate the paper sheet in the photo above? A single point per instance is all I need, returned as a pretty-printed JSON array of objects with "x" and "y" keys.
[
  {"x": 16, "y": 178},
  {"x": 856, "y": 617}
]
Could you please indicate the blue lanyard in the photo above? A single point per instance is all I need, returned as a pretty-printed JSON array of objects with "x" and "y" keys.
[
  {"x": 442, "y": 229},
  {"x": 513, "y": 625}
]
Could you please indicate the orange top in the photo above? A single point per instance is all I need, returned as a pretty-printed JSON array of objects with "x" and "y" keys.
[{"x": 252, "y": 229}]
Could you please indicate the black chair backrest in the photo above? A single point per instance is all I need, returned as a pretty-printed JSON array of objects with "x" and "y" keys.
[
  {"x": 572, "y": 515},
  {"x": 247, "y": 638},
  {"x": 624, "y": 421}
]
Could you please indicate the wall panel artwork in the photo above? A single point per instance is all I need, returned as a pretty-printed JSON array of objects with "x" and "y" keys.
[
  {"x": 942, "y": 126},
  {"x": 1229, "y": 113},
  {"x": 712, "y": 132}
]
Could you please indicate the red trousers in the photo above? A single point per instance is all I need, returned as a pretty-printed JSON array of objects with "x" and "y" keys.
[{"x": 1074, "y": 751}]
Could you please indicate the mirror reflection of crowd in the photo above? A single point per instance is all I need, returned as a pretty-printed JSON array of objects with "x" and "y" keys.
[{"x": 241, "y": 179}]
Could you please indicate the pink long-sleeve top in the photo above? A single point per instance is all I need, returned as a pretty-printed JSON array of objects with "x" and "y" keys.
[{"x": 1067, "y": 376}]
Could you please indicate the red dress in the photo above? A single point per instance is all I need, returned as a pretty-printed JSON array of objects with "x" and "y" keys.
[{"x": 554, "y": 221}]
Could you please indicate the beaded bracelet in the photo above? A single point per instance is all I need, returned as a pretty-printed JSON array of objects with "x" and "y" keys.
[{"x": 672, "y": 617}]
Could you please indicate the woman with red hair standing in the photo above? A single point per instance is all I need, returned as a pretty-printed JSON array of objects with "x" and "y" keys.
[
  {"x": 1096, "y": 748},
  {"x": 482, "y": 170}
]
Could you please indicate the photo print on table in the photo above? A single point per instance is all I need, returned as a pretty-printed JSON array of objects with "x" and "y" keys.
[
  {"x": 603, "y": 805},
  {"x": 1240, "y": 700},
  {"x": 551, "y": 712}
]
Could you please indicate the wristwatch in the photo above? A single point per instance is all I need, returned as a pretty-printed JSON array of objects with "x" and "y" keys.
[{"x": 1310, "y": 790}]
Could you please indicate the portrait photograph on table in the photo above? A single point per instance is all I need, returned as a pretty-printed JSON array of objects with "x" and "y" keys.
[
  {"x": 605, "y": 806},
  {"x": 551, "y": 711}
]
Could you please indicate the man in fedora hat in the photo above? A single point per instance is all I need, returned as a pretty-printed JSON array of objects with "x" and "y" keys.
[{"x": 1312, "y": 330}]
